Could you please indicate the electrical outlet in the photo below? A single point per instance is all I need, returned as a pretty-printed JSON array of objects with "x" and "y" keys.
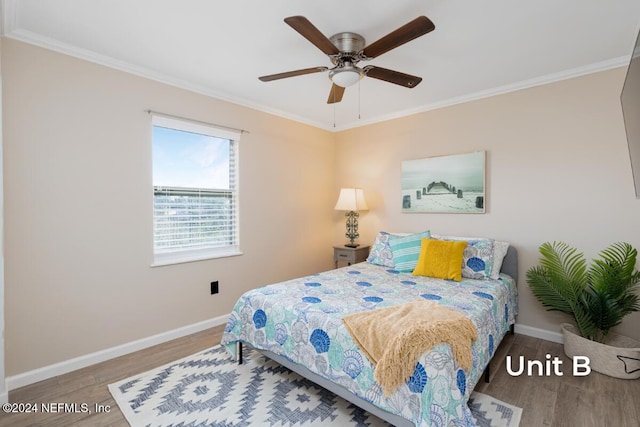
[{"x": 214, "y": 287}]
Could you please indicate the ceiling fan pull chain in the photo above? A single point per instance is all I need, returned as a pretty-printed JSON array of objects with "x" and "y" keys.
[
  {"x": 334, "y": 114},
  {"x": 359, "y": 98}
]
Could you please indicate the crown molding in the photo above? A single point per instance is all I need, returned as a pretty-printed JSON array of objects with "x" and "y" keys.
[
  {"x": 9, "y": 12},
  {"x": 597, "y": 67},
  {"x": 48, "y": 43}
]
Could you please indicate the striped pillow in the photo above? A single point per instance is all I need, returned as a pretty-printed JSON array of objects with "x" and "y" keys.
[{"x": 406, "y": 250}]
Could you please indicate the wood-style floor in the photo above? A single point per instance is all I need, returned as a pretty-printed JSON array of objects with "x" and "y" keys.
[{"x": 567, "y": 401}]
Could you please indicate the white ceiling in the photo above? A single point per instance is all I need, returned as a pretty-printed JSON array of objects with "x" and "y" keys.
[{"x": 479, "y": 47}]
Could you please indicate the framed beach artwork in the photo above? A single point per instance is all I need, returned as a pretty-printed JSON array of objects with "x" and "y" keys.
[{"x": 444, "y": 184}]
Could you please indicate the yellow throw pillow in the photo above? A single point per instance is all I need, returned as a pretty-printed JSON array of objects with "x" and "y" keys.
[{"x": 441, "y": 259}]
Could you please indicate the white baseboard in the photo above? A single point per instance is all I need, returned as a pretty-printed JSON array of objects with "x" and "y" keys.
[
  {"x": 539, "y": 333},
  {"x": 4, "y": 397},
  {"x": 16, "y": 381},
  {"x": 46, "y": 372}
]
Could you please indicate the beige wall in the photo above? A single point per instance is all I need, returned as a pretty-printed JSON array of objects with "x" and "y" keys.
[
  {"x": 77, "y": 176},
  {"x": 78, "y": 201},
  {"x": 558, "y": 168}
]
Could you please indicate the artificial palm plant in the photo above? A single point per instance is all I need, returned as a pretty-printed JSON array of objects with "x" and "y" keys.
[{"x": 597, "y": 296}]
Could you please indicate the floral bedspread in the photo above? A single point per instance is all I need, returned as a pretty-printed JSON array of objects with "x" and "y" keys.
[{"x": 300, "y": 319}]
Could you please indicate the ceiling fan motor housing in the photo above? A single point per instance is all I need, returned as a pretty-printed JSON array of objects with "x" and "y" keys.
[
  {"x": 349, "y": 44},
  {"x": 346, "y": 73}
]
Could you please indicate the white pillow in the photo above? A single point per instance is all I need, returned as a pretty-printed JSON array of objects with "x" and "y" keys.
[{"x": 499, "y": 252}]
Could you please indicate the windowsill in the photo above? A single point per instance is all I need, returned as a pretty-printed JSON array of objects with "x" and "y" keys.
[{"x": 182, "y": 258}]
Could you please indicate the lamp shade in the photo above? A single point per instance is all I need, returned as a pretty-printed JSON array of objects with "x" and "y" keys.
[{"x": 351, "y": 199}]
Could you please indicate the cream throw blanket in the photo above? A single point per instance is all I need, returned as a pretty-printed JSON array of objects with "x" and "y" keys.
[{"x": 393, "y": 338}]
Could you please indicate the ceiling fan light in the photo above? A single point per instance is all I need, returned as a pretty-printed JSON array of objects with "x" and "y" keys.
[{"x": 346, "y": 77}]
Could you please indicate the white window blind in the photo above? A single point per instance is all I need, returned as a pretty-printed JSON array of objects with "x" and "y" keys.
[{"x": 195, "y": 191}]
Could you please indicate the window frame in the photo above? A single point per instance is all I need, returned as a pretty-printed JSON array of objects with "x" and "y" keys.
[{"x": 199, "y": 254}]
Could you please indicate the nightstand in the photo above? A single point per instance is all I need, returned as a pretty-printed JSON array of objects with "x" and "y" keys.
[{"x": 350, "y": 255}]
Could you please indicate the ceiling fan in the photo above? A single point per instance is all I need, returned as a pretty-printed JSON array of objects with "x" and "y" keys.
[{"x": 346, "y": 50}]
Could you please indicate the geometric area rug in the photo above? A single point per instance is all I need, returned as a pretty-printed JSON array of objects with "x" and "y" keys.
[
  {"x": 210, "y": 389},
  {"x": 490, "y": 412}
]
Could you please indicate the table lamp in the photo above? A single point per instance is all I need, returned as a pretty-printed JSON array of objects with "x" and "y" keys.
[{"x": 351, "y": 200}]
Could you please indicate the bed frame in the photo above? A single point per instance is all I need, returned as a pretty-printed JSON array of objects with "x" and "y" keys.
[{"x": 509, "y": 266}]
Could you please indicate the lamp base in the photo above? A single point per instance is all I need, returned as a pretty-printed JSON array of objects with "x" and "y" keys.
[{"x": 352, "y": 245}]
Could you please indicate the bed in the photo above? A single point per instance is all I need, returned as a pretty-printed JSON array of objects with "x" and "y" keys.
[{"x": 298, "y": 323}]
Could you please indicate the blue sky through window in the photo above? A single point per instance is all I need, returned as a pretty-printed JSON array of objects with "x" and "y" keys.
[{"x": 185, "y": 159}]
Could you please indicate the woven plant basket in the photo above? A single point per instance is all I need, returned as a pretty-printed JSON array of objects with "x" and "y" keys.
[{"x": 618, "y": 357}]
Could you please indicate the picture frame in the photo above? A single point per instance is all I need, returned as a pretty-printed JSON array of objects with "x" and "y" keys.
[{"x": 444, "y": 184}]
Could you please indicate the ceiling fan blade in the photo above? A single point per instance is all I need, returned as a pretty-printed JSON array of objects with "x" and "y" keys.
[
  {"x": 412, "y": 30},
  {"x": 336, "y": 94},
  {"x": 396, "y": 77},
  {"x": 311, "y": 33},
  {"x": 292, "y": 74}
]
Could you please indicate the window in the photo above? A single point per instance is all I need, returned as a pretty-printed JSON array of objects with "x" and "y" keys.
[{"x": 195, "y": 195}]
